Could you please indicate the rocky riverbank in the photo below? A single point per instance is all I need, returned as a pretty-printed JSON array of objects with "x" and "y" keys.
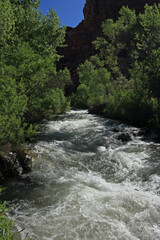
[{"x": 15, "y": 163}]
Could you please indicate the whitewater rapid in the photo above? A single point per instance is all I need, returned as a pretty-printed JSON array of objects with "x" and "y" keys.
[{"x": 88, "y": 185}]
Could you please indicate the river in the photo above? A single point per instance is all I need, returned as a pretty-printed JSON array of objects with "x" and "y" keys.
[{"x": 88, "y": 185}]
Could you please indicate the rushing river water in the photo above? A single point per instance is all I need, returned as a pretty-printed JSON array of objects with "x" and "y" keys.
[{"x": 88, "y": 185}]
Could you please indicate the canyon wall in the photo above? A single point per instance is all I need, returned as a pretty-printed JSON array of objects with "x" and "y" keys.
[{"x": 79, "y": 40}]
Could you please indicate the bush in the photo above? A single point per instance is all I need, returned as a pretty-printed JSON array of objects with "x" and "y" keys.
[
  {"x": 5, "y": 222},
  {"x": 94, "y": 79},
  {"x": 6, "y": 225}
]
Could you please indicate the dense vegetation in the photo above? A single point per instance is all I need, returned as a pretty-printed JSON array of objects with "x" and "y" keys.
[
  {"x": 124, "y": 75},
  {"x": 30, "y": 87},
  {"x": 5, "y": 223}
]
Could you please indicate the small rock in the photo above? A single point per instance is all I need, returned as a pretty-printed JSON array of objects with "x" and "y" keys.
[
  {"x": 116, "y": 130},
  {"x": 124, "y": 137}
]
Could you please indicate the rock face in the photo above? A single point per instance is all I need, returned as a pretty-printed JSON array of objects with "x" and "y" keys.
[{"x": 79, "y": 39}]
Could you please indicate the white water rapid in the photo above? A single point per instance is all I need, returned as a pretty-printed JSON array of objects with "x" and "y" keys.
[{"x": 88, "y": 185}]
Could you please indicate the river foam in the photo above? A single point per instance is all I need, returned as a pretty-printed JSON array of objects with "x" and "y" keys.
[{"x": 86, "y": 184}]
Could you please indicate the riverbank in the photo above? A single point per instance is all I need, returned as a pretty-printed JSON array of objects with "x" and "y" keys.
[
  {"x": 15, "y": 163},
  {"x": 137, "y": 121}
]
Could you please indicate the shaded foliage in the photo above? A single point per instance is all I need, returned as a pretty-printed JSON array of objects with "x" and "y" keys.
[{"x": 126, "y": 78}]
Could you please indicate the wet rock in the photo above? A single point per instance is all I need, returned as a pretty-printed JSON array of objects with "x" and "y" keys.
[
  {"x": 25, "y": 158},
  {"x": 141, "y": 132},
  {"x": 116, "y": 130},
  {"x": 124, "y": 137},
  {"x": 14, "y": 164},
  {"x": 9, "y": 165}
]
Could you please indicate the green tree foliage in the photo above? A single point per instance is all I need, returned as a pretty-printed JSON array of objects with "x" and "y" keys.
[
  {"x": 93, "y": 86},
  {"x": 30, "y": 87},
  {"x": 147, "y": 49},
  {"x": 116, "y": 41},
  {"x": 130, "y": 50},
  {"x": 6, "y": 21},
  {"x": 5, "y": 223}
]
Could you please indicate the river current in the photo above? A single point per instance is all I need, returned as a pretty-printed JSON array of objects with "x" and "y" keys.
[{"x": 88, "y": 185}]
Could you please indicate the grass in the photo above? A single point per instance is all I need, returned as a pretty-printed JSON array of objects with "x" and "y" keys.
[{"x": 6, "y": 224}]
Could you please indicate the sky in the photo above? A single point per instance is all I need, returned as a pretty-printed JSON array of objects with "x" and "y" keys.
[{"x": 69, "y": 11}]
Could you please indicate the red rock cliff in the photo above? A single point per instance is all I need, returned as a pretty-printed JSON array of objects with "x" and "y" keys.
[{"x": 79, "y": 39}]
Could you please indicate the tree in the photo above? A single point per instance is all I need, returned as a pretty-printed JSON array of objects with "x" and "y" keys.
[
  {"x": 94, "y": 80},
  {"x": 127, "y": 76},
  {"x": 30, "y": 87},
  {"x": 147, "y": 49},
  {"x": 115, "y": 45}
]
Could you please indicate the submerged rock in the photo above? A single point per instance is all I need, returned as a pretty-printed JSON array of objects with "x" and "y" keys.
[{"x": 124, "y": 137}]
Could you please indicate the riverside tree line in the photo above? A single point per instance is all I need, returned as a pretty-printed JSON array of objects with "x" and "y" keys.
[
  {"x": 124, "y": 75},
  {"x": 30, "y": 87}
]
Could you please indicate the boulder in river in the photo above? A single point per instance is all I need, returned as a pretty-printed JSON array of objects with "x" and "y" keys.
[
  {"x": 9, "y": 166},
  {"x": 15, "y": 163},
  {"x": 124, "y": 137}
]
